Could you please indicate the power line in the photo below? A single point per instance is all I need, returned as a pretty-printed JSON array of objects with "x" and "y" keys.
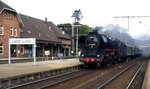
[
  {"x": 131, "y": 16},
  {"x": 128, "y": 17}
]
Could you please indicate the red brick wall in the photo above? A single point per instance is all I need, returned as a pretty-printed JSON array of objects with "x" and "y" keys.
[{"x": 7, "y": 24}]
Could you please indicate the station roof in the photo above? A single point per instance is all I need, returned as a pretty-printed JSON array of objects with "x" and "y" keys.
[
  {"x": 58, "y": 32},
  {"x": 36, "y": 28},
  {"x": 5, "y": 6}
]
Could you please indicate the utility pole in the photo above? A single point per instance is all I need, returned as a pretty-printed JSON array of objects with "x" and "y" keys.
[{"x": 76, "y": 23}]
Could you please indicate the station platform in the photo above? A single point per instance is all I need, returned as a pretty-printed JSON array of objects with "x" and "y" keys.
[
  {"x": 17, "y": 69},
  {"x": 146, "y": 82}
]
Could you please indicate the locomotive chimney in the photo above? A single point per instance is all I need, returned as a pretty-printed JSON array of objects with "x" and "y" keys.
[{"x": 96, "y": 31}]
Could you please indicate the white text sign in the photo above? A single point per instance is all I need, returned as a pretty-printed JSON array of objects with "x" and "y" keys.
[{"x": 22, "y": 40}]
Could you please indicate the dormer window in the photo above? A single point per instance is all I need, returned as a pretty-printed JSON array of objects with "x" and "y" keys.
[
  {"x": 37, "y": 26},
  {"x": 39, "y": 34},
  {"x": 50, "y": 27},
  {"x": 1, "y": 30},
  {"x": 48, "y": 35},
  {"x": 29, "y": 31},
  {"x": 63, "y": 32}
]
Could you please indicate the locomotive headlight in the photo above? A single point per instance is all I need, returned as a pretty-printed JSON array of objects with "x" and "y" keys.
[
  {"x": 82, "y": 55},
  {"x": 97, "y": 55}
]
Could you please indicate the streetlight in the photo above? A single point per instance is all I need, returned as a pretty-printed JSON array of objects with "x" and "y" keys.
[{"x": 77, "y": 17}]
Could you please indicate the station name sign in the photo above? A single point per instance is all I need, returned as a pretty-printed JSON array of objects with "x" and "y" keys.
[{"x": 22, "y": 40}]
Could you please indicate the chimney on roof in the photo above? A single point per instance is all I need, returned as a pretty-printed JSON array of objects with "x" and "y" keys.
[
  {"x": 27, "y": 16},
  {"x": 46, "y": 19}
]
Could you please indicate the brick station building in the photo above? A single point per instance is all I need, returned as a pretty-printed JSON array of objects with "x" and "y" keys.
[{"x": 48, "y": 36}]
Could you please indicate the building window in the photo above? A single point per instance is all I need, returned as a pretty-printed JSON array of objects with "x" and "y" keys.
[
  {"x": 1, "y": 49},
  {"x": 5, "y": 15},
  {"x": 8, "y": 16},
  {"x": 13, "y": 32},
  {"x": 1, "y": 30}
]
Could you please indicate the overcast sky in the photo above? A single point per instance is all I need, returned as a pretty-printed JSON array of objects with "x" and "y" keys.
[{"x": 95, "y": 12}]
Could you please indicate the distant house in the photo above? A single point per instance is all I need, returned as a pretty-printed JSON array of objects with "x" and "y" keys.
[{"x": 49, "y": 38}]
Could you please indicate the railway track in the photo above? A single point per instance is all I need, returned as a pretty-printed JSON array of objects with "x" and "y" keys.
[
  {"x": 135, "y": 82},
  {"x": 88, "y": 79},
  {"x": 125, "y": 78},
  {"x": 97, "y": 78}
]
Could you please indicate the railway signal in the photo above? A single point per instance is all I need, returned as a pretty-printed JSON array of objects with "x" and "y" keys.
[{"x": 77, "y": 15}]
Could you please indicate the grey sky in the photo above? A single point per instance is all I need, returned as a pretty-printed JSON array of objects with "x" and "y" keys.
[{"x": 95, "y": 12}]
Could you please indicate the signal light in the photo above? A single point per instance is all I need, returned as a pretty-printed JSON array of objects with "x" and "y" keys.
[
  {"x": 92, "y": 60},
  {"x": 87, "y": 60}
]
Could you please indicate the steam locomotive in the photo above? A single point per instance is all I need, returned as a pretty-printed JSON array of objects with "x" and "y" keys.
[{"x": 102, "y": 50}]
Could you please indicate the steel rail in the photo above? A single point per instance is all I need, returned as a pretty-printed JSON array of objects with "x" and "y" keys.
[
  {"x": 131, "y": 81},
  {"x": 64, "y": 80},
  {"x": 117, "y": 75}
]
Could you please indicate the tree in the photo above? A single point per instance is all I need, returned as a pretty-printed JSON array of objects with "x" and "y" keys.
[
  {"x": 67, "y": 27},
  {"x": 84, "y": 29}
]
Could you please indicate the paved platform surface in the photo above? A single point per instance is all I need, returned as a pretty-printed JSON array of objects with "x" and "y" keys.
[
  {"x": 16, "y": 69},
  {"x": 146, "y": 82}
]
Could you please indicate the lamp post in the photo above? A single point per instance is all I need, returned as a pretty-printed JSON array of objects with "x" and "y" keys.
[{"x": 77, "y": 17}]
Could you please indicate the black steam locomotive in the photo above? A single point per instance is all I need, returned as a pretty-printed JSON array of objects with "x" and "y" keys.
[{"x": 101, "y": 50}]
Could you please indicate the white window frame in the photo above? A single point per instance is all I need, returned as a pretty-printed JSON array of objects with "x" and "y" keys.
[
  {"x": 15, "y": 32},
  {"x": 11, "y": 32},
  {"x": 1, "y": 30},
  {"x": 10, "y": 16},
  {"x": 1, "y": 47}
]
